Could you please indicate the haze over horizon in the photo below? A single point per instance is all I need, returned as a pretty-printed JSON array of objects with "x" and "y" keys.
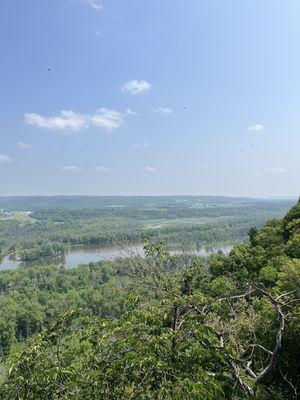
[
  {"x": 291, "y": 197},
  {"x": 150, "y": 98}
]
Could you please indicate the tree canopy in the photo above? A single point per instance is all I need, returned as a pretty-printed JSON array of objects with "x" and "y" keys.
[{"x": 183, "y": 329}]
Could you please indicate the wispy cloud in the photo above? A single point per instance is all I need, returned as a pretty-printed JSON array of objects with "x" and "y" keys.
[
  {"x": 73, "y": 121},
  {"x": 162, "y": 110},
  {"x": 150, "y": 169},
  {"x": 102, "y": 168},
  {"x": 131, "y": 112},
  {"x": 204, "y": 166},
  {"x": 95, "y": 4},
  {"x": 256, "y": 127},
  {"x": 277, "y": 170},
  {"x": 107, "y": 119},
  {"x": 71, "y": 168},
  {"x": 271, "y": 170},
  {"x": 24, "y": 146},
  {"x": 4, "y": 158},
  {"x": 141, "y": 145},
  {"x": 136, "y": 87}
]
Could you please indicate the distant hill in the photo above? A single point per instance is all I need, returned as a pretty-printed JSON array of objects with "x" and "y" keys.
[{"x": 32, "y": 203}]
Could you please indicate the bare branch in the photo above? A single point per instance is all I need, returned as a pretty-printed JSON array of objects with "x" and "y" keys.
[
  {"x": 243, "y": 385},
  {"x": 239, "y": 296},
  {"x": 261, "y": 347},
  {"x": 294, "y": 388},
  {"x": 277, "y": 348},
  {"x": 149, "y": 285}
]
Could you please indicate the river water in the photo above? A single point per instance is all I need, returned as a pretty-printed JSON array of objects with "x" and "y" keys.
[{"x": 86, "y": 254}]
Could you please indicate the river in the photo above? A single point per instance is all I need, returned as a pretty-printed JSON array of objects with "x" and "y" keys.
[{"x": 86, "y": 254}]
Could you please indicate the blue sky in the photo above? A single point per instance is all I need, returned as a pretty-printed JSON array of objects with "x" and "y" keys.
[{"x": 115, "y": 97}]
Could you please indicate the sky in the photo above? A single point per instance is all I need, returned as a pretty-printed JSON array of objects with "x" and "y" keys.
[{"x": 160, "y": 97}]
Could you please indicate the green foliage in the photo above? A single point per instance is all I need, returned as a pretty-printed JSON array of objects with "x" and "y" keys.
[
  {"x": 33, "y": 297},
  {"x": 159, "y": 327},
  {"x": 289, "y": 277}
]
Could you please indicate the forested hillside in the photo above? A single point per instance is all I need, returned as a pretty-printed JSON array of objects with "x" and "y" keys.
[{"x": 160, "y": 327}]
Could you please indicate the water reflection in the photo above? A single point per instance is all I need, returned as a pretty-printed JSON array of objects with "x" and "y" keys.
[
  {"x": 86, "y": 254},
  {"x": 9, "y": 261}
]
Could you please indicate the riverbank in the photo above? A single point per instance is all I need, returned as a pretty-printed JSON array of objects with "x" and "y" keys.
[{"x": 77, "y": 255}]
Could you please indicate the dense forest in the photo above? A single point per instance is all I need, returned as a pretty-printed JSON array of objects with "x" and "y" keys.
[
  {"x": 160, "y": 326},
  {"x": 37, "y": 227}
]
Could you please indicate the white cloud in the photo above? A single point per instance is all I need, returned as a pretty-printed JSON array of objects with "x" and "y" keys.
[
  {"x": 256, "y": 127},
  {"x": 136, "y": 87},
  {"x": 257, "y": 173},
  {"x": 204, "y": 166},
  {"x": 163, "y": 110},
  {"x": 66, "y": 120},
  {"x": 141, "y": 145},
  {"x": 24, "y": 146},
  {"x": 72, "y": 121},
  {"x": 131, "y": 112},
  {"x": 71, "y": 168},
  {"x": 150, "y": 169},
  {"x": 4, "y": 158},
  {"x": 277, "y": 170},
  {"x": 102, "y": 168}
]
